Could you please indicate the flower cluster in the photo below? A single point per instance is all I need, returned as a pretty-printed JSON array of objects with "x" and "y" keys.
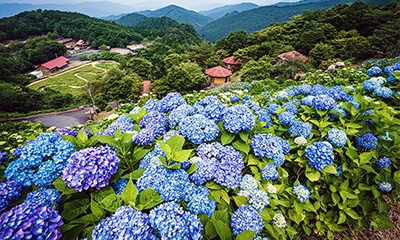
[
  {"x": 339, "y": 170},
  {"x": 259, "y": 199},
  {"x": 30, "y": 221},
  {"x": 123, "y": 123},
  {"x": 248, "y": 184},
  {"x": 300, "y": 140},
  {"x": 9, "y": 191},
  {"x": 373, "y": 71},
  {"x": 301, "y": 191},
  {"x": 279, "y": 220},
  {"x": 383, "y": 162},
  {"x": 34, "y": 164},
  {"x": 198, "y": 201},
  {"x": 337, "y": 137},
  {"x": 300, "y": 128},
  {"x": 172, "y": 222},
  {"x": 385, "y": 187},
  {"x": 323, "y": 102},
  {"x": 320, "y": 155},
  {"x": 178, "y": 114},
  {"x": 265, "y": 145},
  {"x": 224, "y": 164},
  {"x": 3, "y": 157},
  {"x": 246, "y": 218},
  {"x": 237, "y": 118},
  {"x": 287, "y": 118},
  {"x": 368, "y": 141},
  {"x": 46, "y": 197},
  {"x": 235, "y": 98},
  {"x": 90, "y": 167},
  {"x": 198, "y": 129},
  {"x": 269, "y": 172},
  {"x": 126, "y": 223},
  {"x": 210, "y": 107},
  {"x": 384, "y": 92},
  {"x": 371, "y": 84},
  {"x": 67, "y": 131}
]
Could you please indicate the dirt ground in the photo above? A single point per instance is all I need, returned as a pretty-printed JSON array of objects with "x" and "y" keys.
[{"x": 122, "y": 51}]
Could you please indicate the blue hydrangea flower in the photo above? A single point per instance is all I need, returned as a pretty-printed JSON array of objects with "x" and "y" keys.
[
  {"x": 249, "y": 183},
  {"x": 391, "y": 77},
  {"x": 308, "y": 100},
  {"x": 246, "y": 218},
  {"x": 340, "y": 109},
  {"x": 200, "y": 204},
  {"x": 126, "y": 223},
  {"x": 9, "y": 191},
  {"x": 385, "y": 187},
  {"x": 273, "y": 108},
  {"x": 151, "y": 105},
  {"x": 373, "y": 71},
  {"x": 3, "y": 157},
  {"x": 229, "y": 169},
  {"x": 235, "y": 98},
  {"x": 178, "y": 114},
  {"x": 339, "y": 170},
  {"x": 279, "y": 220},
  {"x": 30, "y": 221},
  {"x": 383, "y": 162},
  {"x": 154, "y": 118},
  {"x": 210, "y": 107},
  {"x": 323, "y": 102},
  {"x": 18, "y": 151},
  {"x": 145, "y": 136},
  {"x": 41, "y": 161},
  {"x": 337, "y": 93},
  {"x": 259, "y": 199},
  {"x": 371, "y": 85},
  {"x": 299, "y": 128},
  {"x": 368, "y": 141},
  {"x": 237, "y": 118},
  {"x": 198, "y": 129},
  {"x": 170, "y": 102},
  {"x": 90, "y": 167},
  {"x": 320, "y": 155},
  {"x": 173, "y": 222},
  {"x": 384, "y": 92},
  {"x": 123, "y": 123},
  {"x": 264, "y": 116},
  {"x": 301, "y": 191},
  {"x": 265, "y": 145},
  {"x": 269, "y": 172},
  {"x": 282, "y": 95},
  {"x": 287, "y": 118},
  {"x": 337, "y": 137},
  {"x": 67, "y": 131},
  {"x": 290, "y": 107},
  {"x": 303, "y": 89},
  {"x": 46, "y": 197},
  {"x": 120, "y": 185}
]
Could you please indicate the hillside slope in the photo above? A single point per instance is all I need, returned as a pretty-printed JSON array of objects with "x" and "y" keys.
[{"x": 222, "y": 11}]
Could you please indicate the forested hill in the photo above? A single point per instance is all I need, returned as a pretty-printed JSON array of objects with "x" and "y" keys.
[
  {"x": 67, "y": 24},
  {"x": 259, "y": 18},
  {"x": 131, "y": 19},
  {"x": 180, "y": 15},
  {"x": 222, "y": 11}
]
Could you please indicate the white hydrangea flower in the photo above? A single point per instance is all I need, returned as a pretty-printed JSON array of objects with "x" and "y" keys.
[
  {"x": 193, "y": 160},
  {"x": 113, "y": 116},
  {"x": 242, "y": 193},
  {"x": 271, "y": 189},
  {"x": 300, "y": 140}
]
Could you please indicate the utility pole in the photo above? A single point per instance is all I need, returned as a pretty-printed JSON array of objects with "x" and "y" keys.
[{"x": 91, "y": 97}]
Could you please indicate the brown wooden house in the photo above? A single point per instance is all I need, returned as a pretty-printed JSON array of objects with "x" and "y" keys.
[
  {"x": 53, "y": 65},
  {"x": 231, "y": 64},
  {"x": 218, "y": 75}
]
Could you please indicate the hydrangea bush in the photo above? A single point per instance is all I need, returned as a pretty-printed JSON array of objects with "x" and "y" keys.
[{"x": 232, "y": 163}]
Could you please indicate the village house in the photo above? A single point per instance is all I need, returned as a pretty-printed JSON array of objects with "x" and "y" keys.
[
  {"x": 218, "y": 75},
  {"x": 231, "y": 64},
  {"x": 82, "y": 43},
  {"x": 53, "y": 65},
  {"x": 292, "y": 54},
  {"x": 136, "y": 47}
]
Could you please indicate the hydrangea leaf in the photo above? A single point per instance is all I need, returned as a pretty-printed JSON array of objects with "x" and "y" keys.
[
  {"x": 330, "y": 169},
  {"x": 176, "y": 142},
  {"x": 130, "y": 193},
  {"x": 149, "y": 198},
  {"x": 75, "y": 208},
  {"x": 245, "y": 235},
  {"x": 227, "y": 138},
  {"x": 111, "y": 203},
  {"x": 182, "y": 156},
  {"x": 241, "y": 146},
  {"x": 239, "y": 200},
  {"x": 192, "y": 169},
  {"x": 313, "y": 174},
  {"x": 60, "y": 185},
  {"x": 223, "y": 230},
  {"x": 82, "y": 136},
  {"x": 210, "y": 230}
]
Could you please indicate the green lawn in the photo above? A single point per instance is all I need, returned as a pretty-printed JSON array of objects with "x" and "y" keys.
[{"x": 87, "y": 72}]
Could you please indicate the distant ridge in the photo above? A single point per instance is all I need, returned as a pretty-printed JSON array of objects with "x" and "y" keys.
[
  {"x": 93, "y": 9},
  {"x": 222, "y": 11},
  {"x": 180, "y": 15}
]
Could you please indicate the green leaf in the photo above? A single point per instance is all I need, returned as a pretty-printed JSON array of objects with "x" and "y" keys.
[
  {"x": 139, "y": 152},
  {"x": 313, "y": 175},
  {"x": 246, "y": 235},
  {"x": 368, "y": 168},
  {"x": 223, "y": 230},
  {"x": 104, "y": 192},
  {"x": 130, "y": 193},
  {"x": 111, "y": 203},
  {"x": 210, "y": 230},
  {"x": 225, "y": 196},
  {"x": 253, "y": 160},
  {"x": 163, "y": 161},
  {"x": 241, "y": 146},
  {"x": 396, "y": 176},
  {"x": 342, "y": 217},
  {"x": 221, "y": 215},
  {"x": 244, "y": 136},
  {"x": 82, "y": 135},
  {"x": 176, "y": 142},
  {"x": 216, "y": 196},
  {"x": 335, "y": 198},
  {"x": 135, "y": 175},
  {"x": 295, "y": 216},
  {"x": 352, "y": 213},
  {"x": 365, "y": 157},
  {"x": 75, "y": 208},
  {"x": 96, "y": 209},
  {"x": 89, "y": 219},
  {"x": 165, "y": 147},
  {"x": 383, "y": 222},
  {"x": 227, "y": 138},
  {"x": 239, "y": 200},
  {"x": 182, "y": 156},
  {"x": 175, "y": 166},
  {"x": 330, "y": 169},
  {"x": 149, "y": 198},
  {"x": 192, "y": 169},
  {"x": 60, "y": 185},
  {"x": 106, "y": 139}
]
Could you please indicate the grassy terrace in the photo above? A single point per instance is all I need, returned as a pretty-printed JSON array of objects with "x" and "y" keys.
[{"x": 69, "y": 82}]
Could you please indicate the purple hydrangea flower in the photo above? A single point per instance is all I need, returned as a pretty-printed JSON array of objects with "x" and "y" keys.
[
  {"x": 9, "y": 191},
  {"x": 3, "y": 157},
  {"x": 30, "y": 221},
  {"x": 90, "y": 167},
  {"x": 67, "y": 131}
]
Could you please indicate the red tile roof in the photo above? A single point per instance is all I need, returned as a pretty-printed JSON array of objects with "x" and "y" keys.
[
  {"x": 82, "y": 42},
  {"x": 58, "y": 62},
  {"x": 218, "y": 71},
  {"x": 146, "y": 86},
  {"x": 292, "y": 54},
  {"x": 231, "y": 60}
]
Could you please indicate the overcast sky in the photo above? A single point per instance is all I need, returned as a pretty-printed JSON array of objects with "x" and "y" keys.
[{"x": 141, "y": 4}]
